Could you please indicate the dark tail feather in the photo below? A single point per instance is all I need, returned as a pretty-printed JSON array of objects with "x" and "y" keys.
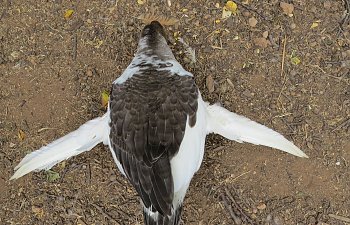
[{"x": 159, "y": 219}]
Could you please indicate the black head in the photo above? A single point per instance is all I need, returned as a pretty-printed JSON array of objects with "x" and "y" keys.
[
  {"x": 153, "y": 29},
  {"x": 154, "y": 41}
]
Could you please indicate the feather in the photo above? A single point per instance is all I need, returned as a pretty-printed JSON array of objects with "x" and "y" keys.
[
  {"x": 83, "y": 139},
  {"x": 241, "y": 129}
]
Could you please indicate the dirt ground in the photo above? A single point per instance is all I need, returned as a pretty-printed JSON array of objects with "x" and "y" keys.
[{"x": 53, "y": 70}]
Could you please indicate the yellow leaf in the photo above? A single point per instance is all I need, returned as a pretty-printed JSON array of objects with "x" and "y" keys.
[
  {"x": 68, "y": 14},
  {"x": 231, "y": 6},
  {"x": 141, "y": 2},
  {"x": 21, "y": 135},
  {"x": 104, "y": 99},
  {"x": 62, "y": 165},
  {"x": 314, "y": 25},
  {"x": 98, "y": 43},
  {"x": 295, "y": 60}
]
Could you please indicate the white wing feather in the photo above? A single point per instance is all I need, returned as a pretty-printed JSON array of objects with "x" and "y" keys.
[
  {"x": 83, "y": 139},
  {"x": 241, "y": 129}
]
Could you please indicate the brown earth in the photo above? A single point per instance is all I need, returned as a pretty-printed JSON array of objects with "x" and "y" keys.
[{"x": 53, "y": 71}]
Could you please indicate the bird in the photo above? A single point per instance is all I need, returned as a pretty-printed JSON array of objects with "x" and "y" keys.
[{"x": 155, "y": 127}]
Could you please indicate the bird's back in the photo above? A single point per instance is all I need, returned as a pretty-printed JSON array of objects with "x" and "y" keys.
[{"x": 148, "y": 115}]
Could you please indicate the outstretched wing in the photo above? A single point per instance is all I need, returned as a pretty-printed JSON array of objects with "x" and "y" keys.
[
  {"x": 148, "y": 119},
  {"x": 241, "y": 129}
]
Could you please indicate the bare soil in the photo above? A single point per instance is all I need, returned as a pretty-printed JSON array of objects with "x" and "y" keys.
[{"x": 53, "y": 70}]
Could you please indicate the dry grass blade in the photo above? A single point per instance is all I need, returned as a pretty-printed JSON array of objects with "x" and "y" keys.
[{"x": 341, "y": 218}]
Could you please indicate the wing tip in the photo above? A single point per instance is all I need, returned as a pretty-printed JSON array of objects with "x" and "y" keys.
[
  {"x": 14, "y": 176},
  {"x": 303, "y": 155}
]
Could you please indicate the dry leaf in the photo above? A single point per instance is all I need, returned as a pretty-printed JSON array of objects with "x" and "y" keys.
[
  {"x": 62, "y": 165},
  {"x": 261, "y": 42},
  {"x": 229, "y": 9},
  {"x": 265, "y": 34},
  {"x": 231, "y": 6},
  {"x": 252, "y": 22},
  {"x": 230, "y": 83},
  {"x": 21, "y": 135},
  {"x": 164, "y": 20},
  {"x": 98, "y": 43},
  {"x": 38, "y": 212},
  {"x": 12, "y": 145},
  {"x": 69, "y": 13},
  {"x": 315, "y": 24},
  {"x": 141, "y": 2},
  {"x": 52, "y": 175},
  {"x": 295, "y": 60},
  {"x": 210, "y": 83},
  {"x": 261, "y": 206},
  {"x": 104, "y": 99},
  {"x": 287, "y": 8},
  {"x": 80, "y": 222}
]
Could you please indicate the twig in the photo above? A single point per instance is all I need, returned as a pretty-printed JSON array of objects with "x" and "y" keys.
[
  {"x": 45, "y": 128},
  {"x": 283, "y": 54},
  {"x": 253, "y": 10},
  {"x": 230, "y": 179},
  {"x": 104, "y": 213},
  {"x": 341, "y": 218},
  {"x": 75, "y": 45},
  {"x": 230, "y": 210},
  {"x": 7, "y": 5},
  {"x": 341, "y": 125},
  {"x": 246, "y": 218},
  {"x": 218, "y": 148},
  {"x": 346, "y": 17},
  {"x": 282, "y": 67}
]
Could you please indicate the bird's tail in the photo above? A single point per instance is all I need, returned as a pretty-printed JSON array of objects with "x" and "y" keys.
[
  {"x": 83, "y": 139},
  {"x": 241, "y": 129},
  {"x": 155, "y": 218}
]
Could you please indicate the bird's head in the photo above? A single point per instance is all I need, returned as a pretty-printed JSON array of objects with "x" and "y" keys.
[
  {"x": 153, "y": 30},
  {"x": 153, "y": 40}
]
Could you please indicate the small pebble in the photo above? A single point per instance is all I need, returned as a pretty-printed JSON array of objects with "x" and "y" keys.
[
  {"x": 261, "y": 206},
  {"x": 246, "y": 13},
  {"x": 265, "y": 34},
  {"x": 113, "y": 177},
  {"x": 252, "y": 22},
  {"x": 247, "y": 93}
]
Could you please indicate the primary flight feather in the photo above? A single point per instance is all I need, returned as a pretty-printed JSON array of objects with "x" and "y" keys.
[{"x": 155, "y": 127}]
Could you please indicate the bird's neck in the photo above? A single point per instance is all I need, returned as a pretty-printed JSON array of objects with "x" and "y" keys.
[{"x": 155, "y": 47}]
